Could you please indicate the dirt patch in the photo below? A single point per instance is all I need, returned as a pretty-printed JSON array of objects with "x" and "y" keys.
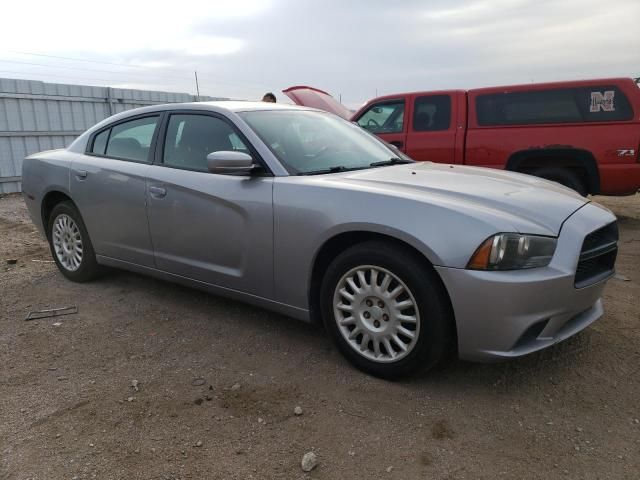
[
  {"x": 68, "y": 407},
  {"x": 442, "y": 430}
]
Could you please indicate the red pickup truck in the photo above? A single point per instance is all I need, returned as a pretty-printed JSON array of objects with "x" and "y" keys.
[{"x": 583, "y": 134}]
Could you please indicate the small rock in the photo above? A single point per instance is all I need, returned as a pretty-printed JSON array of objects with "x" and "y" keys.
[
  {"x": 199, "y": 443},
  {"x": 58, "y": 435},
  {"x": 576, "y": 448},
  {"x": 260, "y": 420},
  {"x": 208, "y": 398},
  {"x": 11, "y": 261},
  {"x": 134, "y": 384},
  {"x": 297, "y": 410},
  {"x": 196, "y": 382},
  {"x": 636, "y": 421},
  {"x": 309, "y": 461},
  {"x": 91, "y": 445},
  {"x": 130, "y": 399},
  {"x": 137, "y": 450},
  {"x": 624, "y": 278},
  {"x": 352, "y": 453},
  {"x": 56, "y": 324},
  {"x": 63, "y": 378},
  {"x": 578, "y": 429},
  {"x": 389, "y": 469},
  {"x": 198, "y": 401},
  {"x": 235, "y": 386}
]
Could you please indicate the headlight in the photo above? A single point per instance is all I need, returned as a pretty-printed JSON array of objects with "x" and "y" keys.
[{"x": 512, "y": 251}]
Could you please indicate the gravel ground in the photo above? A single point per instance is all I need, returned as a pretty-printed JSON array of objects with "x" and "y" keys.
[{"x": 217, "y": 382}]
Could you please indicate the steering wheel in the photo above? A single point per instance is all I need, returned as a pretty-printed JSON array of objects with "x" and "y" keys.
[{"x": 372, "y": 123}]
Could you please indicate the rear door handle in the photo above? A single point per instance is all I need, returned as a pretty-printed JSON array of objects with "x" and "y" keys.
[
  {"x": 80, "y": 174},
  {"x": 158, "y": 192}
]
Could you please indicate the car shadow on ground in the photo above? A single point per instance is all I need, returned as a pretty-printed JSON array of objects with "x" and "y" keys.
[{"x": 306, "y": 339}]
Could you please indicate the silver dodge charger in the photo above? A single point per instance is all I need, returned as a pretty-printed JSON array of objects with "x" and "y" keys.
[{"x": 306, "y": 214}]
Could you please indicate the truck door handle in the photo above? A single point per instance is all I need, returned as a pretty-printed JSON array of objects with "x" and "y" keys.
[
  {"x": 158, "y": 192},
  {"x": 80, "y": 174},
  {"x": 396, "y": 144}
]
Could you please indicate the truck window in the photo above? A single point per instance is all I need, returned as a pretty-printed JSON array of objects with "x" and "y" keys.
[
  {"x": 387, "y": 117},
  {"x": 567, "y": 105},
  {"x": 432, "y": 113}
]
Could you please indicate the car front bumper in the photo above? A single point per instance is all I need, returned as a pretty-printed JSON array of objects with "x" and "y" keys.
[{"x": 508, "y": 314}]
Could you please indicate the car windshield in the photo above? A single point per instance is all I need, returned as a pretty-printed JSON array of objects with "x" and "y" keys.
[{"x": 308, "y": 142}]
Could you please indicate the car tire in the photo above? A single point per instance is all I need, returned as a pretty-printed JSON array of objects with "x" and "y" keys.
[
  {"x": 563, "y": 176},
  {"x": 70, "y": 244},
  {"x": 422, "y": 309}
]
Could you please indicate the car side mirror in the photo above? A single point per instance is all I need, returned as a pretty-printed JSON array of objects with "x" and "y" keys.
[{"x": 230, "y": 163}]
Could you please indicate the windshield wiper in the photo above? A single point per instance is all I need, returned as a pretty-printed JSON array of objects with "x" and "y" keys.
[
  {"x": 391, "y": 161},
  {"x": 336, "y": 169}
]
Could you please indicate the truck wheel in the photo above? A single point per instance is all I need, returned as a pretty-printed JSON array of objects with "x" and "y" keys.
[
  {"x": 70, "y": 244},
  {"x": 563, "y": 176},
  {"x": 386, "y": 311}
]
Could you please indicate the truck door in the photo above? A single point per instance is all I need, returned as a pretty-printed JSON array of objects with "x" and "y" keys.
[
  {"x": 388, "y": 120},
  {"x": 433, "y": 127}
]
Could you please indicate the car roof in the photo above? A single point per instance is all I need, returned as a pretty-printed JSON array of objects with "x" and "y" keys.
[{"x": 221, "y": 105}]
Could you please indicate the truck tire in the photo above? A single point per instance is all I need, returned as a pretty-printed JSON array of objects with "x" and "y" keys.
[{"x": 563, "y": 176}]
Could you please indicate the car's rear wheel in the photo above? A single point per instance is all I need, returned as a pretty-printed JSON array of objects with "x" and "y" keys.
[
  {"x": 70, "y": 244},
  {"x": 386, "y": 310},
  {"x": 563, "y": 176}
]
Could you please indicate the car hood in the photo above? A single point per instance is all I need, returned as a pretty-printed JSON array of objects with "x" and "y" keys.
[
  {"x": 316, "y": 98},
  {"x": 526, "y": 204}
]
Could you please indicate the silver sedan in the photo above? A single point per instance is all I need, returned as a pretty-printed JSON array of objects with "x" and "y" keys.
[{"x": 304, "y": 213}]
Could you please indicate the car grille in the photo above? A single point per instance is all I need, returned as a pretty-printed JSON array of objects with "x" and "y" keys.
[{"x": 598, "y": 256}]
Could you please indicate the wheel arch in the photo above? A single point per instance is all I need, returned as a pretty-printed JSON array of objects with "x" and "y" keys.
[
  {"x": 526, "y": 161},
  {"x": 339, "y": 242},
  {"x": 49, "y": 201}
]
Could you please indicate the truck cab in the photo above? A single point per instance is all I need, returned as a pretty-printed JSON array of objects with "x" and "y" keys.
[{"x": 425, "y": 125}]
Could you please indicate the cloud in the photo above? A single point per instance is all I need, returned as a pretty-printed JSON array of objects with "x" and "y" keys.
[{"x": 243, "y": 48}]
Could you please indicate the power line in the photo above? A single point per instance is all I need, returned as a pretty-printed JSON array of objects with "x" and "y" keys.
[
  {"x": 74, "y": 77},
  {"x": 66, "y": 67},
  {"x": 155, "y": 71},
  {"x": 131, "y": 65}
]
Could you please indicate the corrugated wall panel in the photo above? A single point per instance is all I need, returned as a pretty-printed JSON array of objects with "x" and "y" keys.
[{"x": 29, "y": 124}]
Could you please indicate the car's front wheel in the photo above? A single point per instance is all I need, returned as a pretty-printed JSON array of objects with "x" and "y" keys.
[
  {"x": 386, "y": 310},
  {"x": 70, "y": 244}
]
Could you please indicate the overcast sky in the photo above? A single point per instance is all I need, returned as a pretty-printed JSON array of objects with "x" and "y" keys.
[{"x": 243, "y": 48}]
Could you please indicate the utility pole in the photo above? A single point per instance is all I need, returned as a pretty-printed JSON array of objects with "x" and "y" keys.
[
  {"x": 197, "y": 87},
  {"x": 340, "y": 98}
]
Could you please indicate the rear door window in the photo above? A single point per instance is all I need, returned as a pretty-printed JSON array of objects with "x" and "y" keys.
[
  {"x": 387, "y": 117},
  {"x": 567, "y": 105},
  {"x": 100, "y": 142},
  {"x": 432, "y": 113},
  {"x": 132, "y": 140}
]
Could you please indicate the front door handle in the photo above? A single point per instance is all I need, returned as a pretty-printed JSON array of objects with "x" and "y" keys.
[
  {"x": 158, "y": 192},
  {"x": 80, "y": 174}
]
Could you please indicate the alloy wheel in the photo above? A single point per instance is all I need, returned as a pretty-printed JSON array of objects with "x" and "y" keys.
[
  {"x": 67, "y": 242},
  {"x": 376, "y": 313}
]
